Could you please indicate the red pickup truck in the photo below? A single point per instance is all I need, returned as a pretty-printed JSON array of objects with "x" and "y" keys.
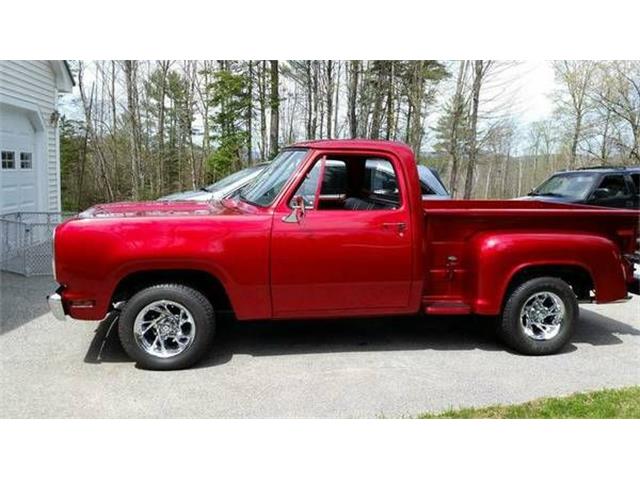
[{"x": 338, "y": 229}]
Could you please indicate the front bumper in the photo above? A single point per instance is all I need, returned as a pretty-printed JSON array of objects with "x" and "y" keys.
[{"x": 56, "y": 306}]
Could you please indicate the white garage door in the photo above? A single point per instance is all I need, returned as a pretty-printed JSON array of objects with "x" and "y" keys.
[{"x": 18, "y": 178}]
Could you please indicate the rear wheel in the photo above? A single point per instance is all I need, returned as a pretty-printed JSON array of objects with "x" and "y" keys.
[
  {"x": 539, "y": 316},
  {"x": 166, "y": 327}
]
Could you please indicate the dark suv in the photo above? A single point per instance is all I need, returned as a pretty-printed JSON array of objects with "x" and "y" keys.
[{"x": 616, "y": 187}]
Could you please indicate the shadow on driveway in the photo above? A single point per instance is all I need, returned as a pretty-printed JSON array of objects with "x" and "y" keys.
[
  {"x": 357, "y": 335},
  {"x": 22, "y": 299}
]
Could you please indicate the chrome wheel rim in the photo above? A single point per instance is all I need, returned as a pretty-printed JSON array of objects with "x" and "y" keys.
[
  {"x": 164, "y": 329},
  {"x": 542, "y": 316}
]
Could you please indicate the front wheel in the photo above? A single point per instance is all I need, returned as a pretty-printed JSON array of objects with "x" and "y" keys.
[
  {"x": 539, "y": 316},
  {"x": 166, "y": 327}
]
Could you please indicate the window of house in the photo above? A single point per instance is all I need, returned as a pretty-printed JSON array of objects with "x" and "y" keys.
[
  {"x": 8, "y": 160},
  {"x": 26, "y": 160}
]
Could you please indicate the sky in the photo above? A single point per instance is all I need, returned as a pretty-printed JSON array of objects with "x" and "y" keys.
[{"x": 536, "y": 86}]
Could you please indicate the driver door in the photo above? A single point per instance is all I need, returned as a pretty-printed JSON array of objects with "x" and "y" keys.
[{"x": 334, "y": 261}]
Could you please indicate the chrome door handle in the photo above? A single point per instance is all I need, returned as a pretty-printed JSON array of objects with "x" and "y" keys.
[{"x": 399, "y": 226}]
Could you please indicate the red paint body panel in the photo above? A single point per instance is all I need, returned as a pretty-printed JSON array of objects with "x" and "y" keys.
[
  {"x": 94, "y": 254},
  {"x": 451, "y": 257}
]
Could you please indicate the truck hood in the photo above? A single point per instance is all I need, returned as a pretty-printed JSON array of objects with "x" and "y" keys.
[{"x": 152, "y": 209}]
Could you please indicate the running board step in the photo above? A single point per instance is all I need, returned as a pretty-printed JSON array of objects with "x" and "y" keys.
[{"x": 447, "y": 308}]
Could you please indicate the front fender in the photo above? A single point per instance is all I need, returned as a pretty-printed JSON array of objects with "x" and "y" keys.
[
  {"x": 94, "y": 255},
  {"x": 498, "y": 257}
]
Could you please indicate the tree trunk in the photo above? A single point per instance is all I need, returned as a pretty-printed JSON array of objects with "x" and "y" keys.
[
  {"x": 329, "y": 97},
  {"x": 574, "y": 142},
  {"x": 262, "y": 101},
  {"x": 114, "y": 129},
  {"x": 95, "y": 140},
  {"x": 605, "y": 137},
  {"x": 488, "y": 184},
  {"x": 314, "y": 99},
  {"x": 354, "y": 68},
  {"x": 390, "y": 113},
  {"x": 379, "y": 91},
  {"x": 473, "y": 141},
  {"x": 457, "y": 113},
  {"x": 337, "y": 102},
  {"x": 249, "y": 115},
  {"x": 130, "y": 70},
  {"x": 164, "y": 68},
  {"x": 416, "y": 100},
  {"x": 274, "y": 104}
]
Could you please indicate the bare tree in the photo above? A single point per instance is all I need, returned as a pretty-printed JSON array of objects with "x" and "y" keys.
[
  {"x": 575, "y": 77},
  {"x": 480, "y": 69},
  {"x": 249, "y": 113},
  {"x": 329, "y": 90},
  {"x": 617, "y": 91},
  {"x": 262, "y": 105},
  {"x": 130, "y": 68},
  {"x": 96, "y": 142},
  {"x": 274, "y": 105},
  {"x": 352, "y": 96},
  {"x": 458, "y": 114}
]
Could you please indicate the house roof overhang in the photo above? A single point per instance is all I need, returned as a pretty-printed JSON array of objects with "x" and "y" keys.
[{"x": 63, "y": 75}]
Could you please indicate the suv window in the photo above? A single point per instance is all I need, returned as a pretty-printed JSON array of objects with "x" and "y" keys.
[
  {"x": 615, "y": 186},
  {"x": 635, "y": 177}
]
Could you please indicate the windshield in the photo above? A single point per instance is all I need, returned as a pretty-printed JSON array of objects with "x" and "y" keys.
[
  {"x": 231, "y": 179},
  {"x": 571, "y": 185},
  {"x": 266, "y": 186}
]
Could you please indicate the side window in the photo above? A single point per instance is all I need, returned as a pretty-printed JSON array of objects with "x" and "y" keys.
[
  {"x": 381, "y": 182},
  {"x": 8, "y": 160},
  {"x": 335, "y": 178},
  {"x": 334, "y": 185},
  {"x": 635, "y": 177},
  {"x": 309, "y": 185},
  {"x": 613, "y": 186},
  {"x": 347, "y": 183},
  {"x": 26, "y": 161}
]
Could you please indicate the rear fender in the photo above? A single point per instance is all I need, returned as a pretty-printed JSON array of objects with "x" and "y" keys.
[{"x": 499, "y": 257}]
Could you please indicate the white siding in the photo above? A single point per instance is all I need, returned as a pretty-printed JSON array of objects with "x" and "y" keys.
[{"x": 34, "y": 82}]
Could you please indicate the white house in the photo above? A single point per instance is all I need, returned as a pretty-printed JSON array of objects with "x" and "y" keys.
[{"x": 29, "y": 137}]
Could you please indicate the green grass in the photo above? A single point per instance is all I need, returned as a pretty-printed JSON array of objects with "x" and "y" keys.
[{"x": 620, "y": 403}]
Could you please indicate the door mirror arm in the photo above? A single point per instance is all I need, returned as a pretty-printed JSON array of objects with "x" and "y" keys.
[{"x": 298, "y": 212}]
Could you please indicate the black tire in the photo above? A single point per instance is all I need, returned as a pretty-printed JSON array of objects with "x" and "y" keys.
[
  {"x": 198, "y": 306},
  {"x": 512, "y": 330}
]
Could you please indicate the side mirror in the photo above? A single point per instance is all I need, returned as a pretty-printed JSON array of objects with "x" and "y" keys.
[
  {"x": 600, "y": 193},
  {"x": 298, "y": 212}
]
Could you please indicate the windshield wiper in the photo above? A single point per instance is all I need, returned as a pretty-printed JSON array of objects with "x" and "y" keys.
[{"x": 546, "y": 194}]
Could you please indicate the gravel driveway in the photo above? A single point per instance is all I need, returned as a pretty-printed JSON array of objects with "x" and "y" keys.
[{"x": 365, "y": 368}]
